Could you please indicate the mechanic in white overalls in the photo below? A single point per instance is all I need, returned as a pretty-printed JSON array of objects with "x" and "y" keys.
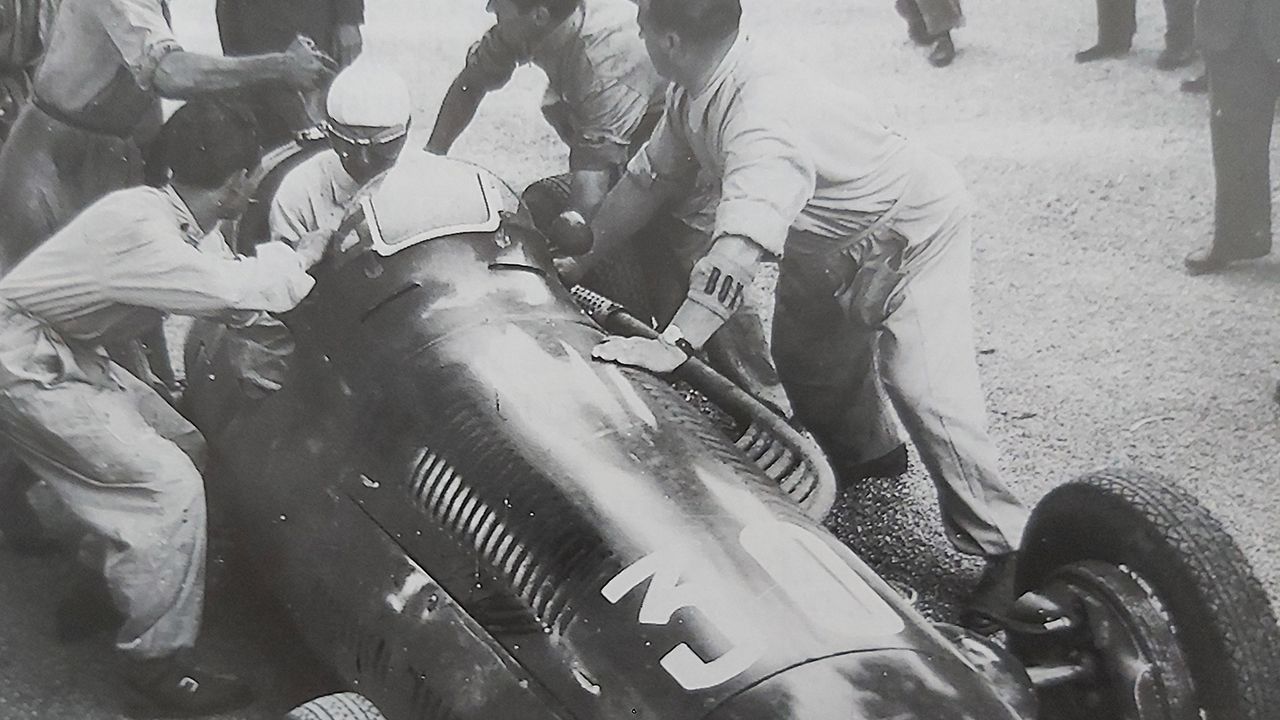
[
  {"x": 873, "y": 239},
  {"x": 118, "y": 456}
]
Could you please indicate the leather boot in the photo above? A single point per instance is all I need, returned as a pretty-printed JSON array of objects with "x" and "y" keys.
[
  {"x": 992, "y": 596},
  {"x": 1210, "y": 260},
  {"x": 1198, "y": 84},
  {"x": 1172, "y": 58},
  {"x": 1100, "y": 51},
  {"x": 1117, "y": 22},
  {"x": 944, "y": 51}
]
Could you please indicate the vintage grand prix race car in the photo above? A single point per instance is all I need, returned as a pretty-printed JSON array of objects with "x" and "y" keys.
[{"x": 470, "y": 518}]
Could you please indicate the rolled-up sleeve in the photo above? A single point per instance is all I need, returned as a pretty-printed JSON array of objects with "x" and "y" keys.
[
  {"x": 160, "y": 270},
  {"x": 609, "y": 118},
  {"x": 140, "y": 34},
  {"x": 768, "y": 179},
  {"x": 490, "y": 62}
]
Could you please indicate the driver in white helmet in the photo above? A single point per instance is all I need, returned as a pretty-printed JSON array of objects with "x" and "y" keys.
[{"x": 369, "y": 112}]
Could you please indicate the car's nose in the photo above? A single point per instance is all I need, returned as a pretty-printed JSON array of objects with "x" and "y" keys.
[{"x": 873, "y": 685}]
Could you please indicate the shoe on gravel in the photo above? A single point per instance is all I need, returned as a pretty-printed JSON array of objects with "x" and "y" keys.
[
  {"x": 1100, "y": 52},
  {"x": 1172, "y": 58},
  {"x": 944, "y": 51},
  {"x": 1198, "y": 84},
  {"x": 992, "y": 596}
]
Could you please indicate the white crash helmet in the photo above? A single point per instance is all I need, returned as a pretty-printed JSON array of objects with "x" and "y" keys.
[{"x": 366, "y": 94}]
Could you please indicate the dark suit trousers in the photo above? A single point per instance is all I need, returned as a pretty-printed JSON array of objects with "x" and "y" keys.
[
  {"x": 1243, "y": 87},
  {"x": 1118, "y": 21},
  {"x": 252, "y": 27}
]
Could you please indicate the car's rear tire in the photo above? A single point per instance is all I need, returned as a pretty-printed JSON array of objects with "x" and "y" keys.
[
  {"x": 622, "y": 279},
  {"x": 341, "y": 706},
  {"x": 1114, "y": 526}
]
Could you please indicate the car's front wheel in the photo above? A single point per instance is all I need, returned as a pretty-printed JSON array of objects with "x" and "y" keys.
[
  {"x": 1162, "y": 617},
  {"x": 340, "y": 706}
]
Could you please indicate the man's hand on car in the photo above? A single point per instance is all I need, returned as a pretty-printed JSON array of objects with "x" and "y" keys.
[{"x": 652, "y": 355}]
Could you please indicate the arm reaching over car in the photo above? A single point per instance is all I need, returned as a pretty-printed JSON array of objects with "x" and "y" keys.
[
  {"x": 183, "y": 75},
  {"x": 490, "y": 64}
]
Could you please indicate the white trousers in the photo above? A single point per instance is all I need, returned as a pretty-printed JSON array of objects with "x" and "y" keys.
[{"x": 124, "y": 463}]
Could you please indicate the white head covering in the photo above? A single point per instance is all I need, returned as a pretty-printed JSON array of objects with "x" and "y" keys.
[{"x": 369, "y": 95}]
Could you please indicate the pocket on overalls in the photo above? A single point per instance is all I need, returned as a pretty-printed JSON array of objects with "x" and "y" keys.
[{"x": 873, "y": 291}]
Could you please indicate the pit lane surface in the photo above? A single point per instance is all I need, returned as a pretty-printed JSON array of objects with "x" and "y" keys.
[{"x": 1090, "y": 183}]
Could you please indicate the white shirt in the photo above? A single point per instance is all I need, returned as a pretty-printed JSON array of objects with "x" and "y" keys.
[
  {"x": 314, "y": 195},
  {"x": 115, "y": 270},
  {"x": 791, "y": 150}
]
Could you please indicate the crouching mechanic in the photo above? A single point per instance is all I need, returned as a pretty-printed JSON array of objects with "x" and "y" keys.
[
  {"x": 872, "y": 233},
  {"x": 116, "y": 454},
  {"x": 603, "y": 99},
  {"x": 368, "y": 110}
]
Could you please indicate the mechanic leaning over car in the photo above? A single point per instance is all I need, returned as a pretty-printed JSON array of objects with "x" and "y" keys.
[
  {"x": 118, "y": 456},
  {"x": 603, "y": 99},
  {"x": 873, "y": 239},
  {"x": 96, "y": 104},
  {"x": 603, "y": 95},
  {"x": 368, "y": 109}
]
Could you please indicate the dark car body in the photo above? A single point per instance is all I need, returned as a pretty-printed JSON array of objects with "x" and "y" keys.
[{"x": 472, "y": 518}]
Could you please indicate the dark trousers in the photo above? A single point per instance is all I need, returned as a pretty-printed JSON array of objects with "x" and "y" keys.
[
  {"x": 903, "y": 319},
  {"x": 254, "y": 27},
  {"x": 1117, "y": 22},
  {"x": 1243, "y": 88},
  {"x": 931, "y": 18}
]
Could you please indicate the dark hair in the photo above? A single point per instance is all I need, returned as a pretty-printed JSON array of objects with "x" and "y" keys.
[
  {"x": 697, "y": 20},
  {"x": 207, "y": 141},
  {"x": 559, "y": 9}
]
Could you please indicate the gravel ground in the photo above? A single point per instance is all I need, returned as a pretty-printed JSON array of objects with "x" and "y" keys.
[{"x": 1090, "y": 183}]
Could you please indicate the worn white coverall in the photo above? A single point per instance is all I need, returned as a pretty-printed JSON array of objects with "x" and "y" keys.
[
  {"x": 805, "y": 167},
  {"x": 314, "y": 195},
  {"x": 119, "y": 457}
]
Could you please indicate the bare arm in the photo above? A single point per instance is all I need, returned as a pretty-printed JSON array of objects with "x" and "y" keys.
[
  {"x": 183, "y": 75},
  {"x": 456, "y": 112}
]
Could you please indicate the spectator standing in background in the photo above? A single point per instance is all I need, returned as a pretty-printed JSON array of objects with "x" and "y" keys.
[
  {"x": 1117, "y": 22},
  {"x": 1240, "y": 40},
  {"x": 252, "y": 27},
  {"x": 930, "y": 22}
]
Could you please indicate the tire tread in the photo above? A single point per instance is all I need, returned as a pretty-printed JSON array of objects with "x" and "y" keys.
[
  {"x": 340, "y": 706},
  {"x": 1235, "y": 626}
]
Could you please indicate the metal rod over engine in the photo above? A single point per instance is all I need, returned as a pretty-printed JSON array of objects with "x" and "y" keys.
[{"x": 787, "y": 456}]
